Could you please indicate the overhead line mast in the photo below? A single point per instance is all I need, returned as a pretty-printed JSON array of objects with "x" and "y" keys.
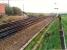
[
  {"x": 23, "y": 7},
  {"x": 8, "y": 2}
]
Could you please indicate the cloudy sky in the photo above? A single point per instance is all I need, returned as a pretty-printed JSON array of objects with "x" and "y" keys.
[{"x": 44, "y": 6}]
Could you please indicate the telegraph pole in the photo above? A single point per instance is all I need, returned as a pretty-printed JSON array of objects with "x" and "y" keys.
[
  {"x": 8, "y": 2},
  {"x": 56, "y": 8},
  {"x": 62, "y": 38},
  {"x": 23, "y": 7}
]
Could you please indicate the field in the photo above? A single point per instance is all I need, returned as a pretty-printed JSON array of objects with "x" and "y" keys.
[
  {"x": 47, "y": 40},
  {"x": 64, "y": 23}
]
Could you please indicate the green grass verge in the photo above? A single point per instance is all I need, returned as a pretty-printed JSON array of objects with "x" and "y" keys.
[
  {"x": 51, "y": 39},
  {"x": 64, "y": 23}
]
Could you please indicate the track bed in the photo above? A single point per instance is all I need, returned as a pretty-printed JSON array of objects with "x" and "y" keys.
[{"x": 16, "y": 41}]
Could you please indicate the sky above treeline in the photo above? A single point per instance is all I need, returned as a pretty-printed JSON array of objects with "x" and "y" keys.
[{"x": 39, "y": 6}]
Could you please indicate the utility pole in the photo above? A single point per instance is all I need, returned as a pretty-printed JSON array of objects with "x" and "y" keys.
[
  {"x": 23, "y": 7},
  {"x": 8, "y": 2},
  {"x": 62, "y": 38},
  {"x": 56, "y": 8},
  {"x": 8, "y": 7}
]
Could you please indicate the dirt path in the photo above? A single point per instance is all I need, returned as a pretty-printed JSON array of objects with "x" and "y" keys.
[{"x": 15, "y": 42}]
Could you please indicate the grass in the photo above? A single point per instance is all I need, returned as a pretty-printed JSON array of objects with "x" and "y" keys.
[
  {"x": 64, "y": 23},
  {"x": 51, "y": 39}
]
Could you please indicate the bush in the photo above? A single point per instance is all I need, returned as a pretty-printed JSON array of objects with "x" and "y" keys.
[{"x": 12, "y": 10}]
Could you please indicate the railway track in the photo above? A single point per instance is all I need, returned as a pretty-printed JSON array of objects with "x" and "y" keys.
[{"x": 13, "y": 27}]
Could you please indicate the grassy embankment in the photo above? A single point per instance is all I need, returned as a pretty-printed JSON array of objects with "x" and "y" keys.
[
  {"x": 64, "y": 23},
  {"x": 52, "y": 40},
  {"x": 46, "y": 40}
]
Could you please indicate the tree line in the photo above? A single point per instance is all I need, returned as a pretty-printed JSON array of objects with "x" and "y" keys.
[{"x": 12, "y": 10}]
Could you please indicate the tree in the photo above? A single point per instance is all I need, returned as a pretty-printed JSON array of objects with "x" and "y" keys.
[
  {"x": 9, "y": 10},
  {"x": 17, "y": 11},
  {"x": 12, "y": 10}
]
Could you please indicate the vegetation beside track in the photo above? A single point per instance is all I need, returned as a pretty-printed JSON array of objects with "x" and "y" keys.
[
  {"x": 64, "y": 23},
  {"x": 51, "y": 39},
  {"x": 8, "y": 19}
]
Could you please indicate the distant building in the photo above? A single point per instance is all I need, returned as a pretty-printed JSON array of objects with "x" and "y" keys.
[{"x": 2, "y": 9}]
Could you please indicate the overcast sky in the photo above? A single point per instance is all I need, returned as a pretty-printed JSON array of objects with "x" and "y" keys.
[{"x": 44, "y": 6}]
